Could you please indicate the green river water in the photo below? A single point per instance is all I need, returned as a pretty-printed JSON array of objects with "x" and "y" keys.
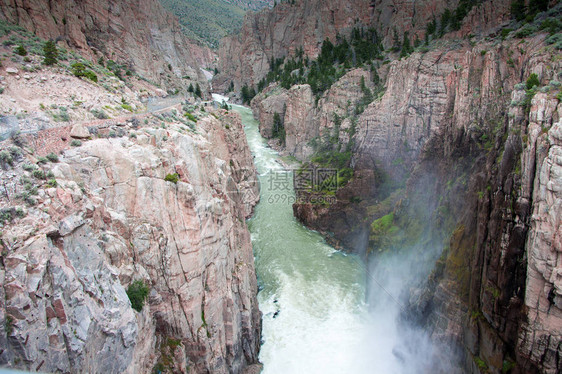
[{"x": 315, "y": 319}]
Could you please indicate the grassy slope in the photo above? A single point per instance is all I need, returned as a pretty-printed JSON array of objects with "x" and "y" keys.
[{"x": 209, "y": 20}]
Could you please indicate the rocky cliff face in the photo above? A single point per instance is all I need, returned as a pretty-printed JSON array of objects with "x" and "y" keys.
[
  {"x": 306, "y": 121},
  {"x": 497, "y": 295},
  {"x": 245, "y": 57},
  {"x": 138, "y": 34},
  {"x": 457, "y": 151},
  {"x": 109, "y": 216}
]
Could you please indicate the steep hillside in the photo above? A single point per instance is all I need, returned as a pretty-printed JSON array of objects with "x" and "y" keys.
[
  {"x": 123, "y": 241},
  {"x": 253, "y": 4},
  {"x": 140, "y": 35},
  {"x": 445, "y": 135},
  {"x": 279, "y": 33},
  {"x": 208, "y": 21}
]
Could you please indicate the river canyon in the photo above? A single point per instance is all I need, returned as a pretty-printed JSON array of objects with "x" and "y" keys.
[{"x": 361, "y": 186}]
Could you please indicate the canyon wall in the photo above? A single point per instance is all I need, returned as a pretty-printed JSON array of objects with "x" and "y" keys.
[
  {"x": 114, "y": 216},
  {"x": 459, "y": 154},
  {"x": 138, "y": 34},
  {"x": 245, "y": 57},
  {"x": 279, "y": 32}
]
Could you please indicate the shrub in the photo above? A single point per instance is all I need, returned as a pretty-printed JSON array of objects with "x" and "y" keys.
[
  {"x": 52, "y": 183},
  {"x": 91, "y": 76},
  {"x": 79, "y": 70},
  {"x": 518, "y": 9},
  {"x": 525, "y": 31},
  {"x": 62, "y": 115},
  {"x": 174, "y": 178},
  {"x": 75, "y": 143},
  {"x": 191, "y": 117},
  {"x": 39, "y": 174},
  {"x": 52, "y": 157},
  {"x": 556, "y": 40},
  {"x": 137, "y": 292},
  {"x": 505, "y": 32},
  {"x": 20, "y": 50},
  {"x": 99, "y": 114},
  {"x": 532, "y": 81},
  {"x": 6, "y": 158},
  {"x": 29, "y": 167}
]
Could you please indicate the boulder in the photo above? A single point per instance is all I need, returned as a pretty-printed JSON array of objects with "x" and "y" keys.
[{"x": 79, "y": 131}]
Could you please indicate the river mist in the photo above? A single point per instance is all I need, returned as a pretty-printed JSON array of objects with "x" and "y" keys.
[{"x": 325, "y": 311}]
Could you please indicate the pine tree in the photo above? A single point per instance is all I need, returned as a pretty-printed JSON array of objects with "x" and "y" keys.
[
  {"x": 396, "y": 46},
  {"x": 50, "y": 53},
  {"x": 198, "y": 91},
  {"x": 245, "y": 94},
  {"x": 536, "y": 6},
  {"x": 445, "y": 19},
  {"x": 190, "y": 88},
  {"x": 406, "y": 46}
]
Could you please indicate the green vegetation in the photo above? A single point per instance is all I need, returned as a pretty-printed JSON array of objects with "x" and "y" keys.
[
  {"x": 382, "y": 232},
  {"x": 79, "y": 70},
  {"x": 52, "y": 157},
  {"x": 61, "y": 116},
  {"x": 39, "y": 174},
  {"x": 247, "y": 94},
  {"x": 206, "y": 20},
  {"x": 20, "y": 50},
  {"x": 507, "y": 366},
  {"x": 50, "y": 53},
  {"x": 532, "y": 81},
  {"x": 191, "y": 117},
  {"x": 99, "y": 114},
  {"x": 9, "y": 325},
  {"x": 174, "y": 178},
  {"x": 334, "y": 60},
  {"x": 75, "y": 143},
  {"x": 278, "y": 128},
  {"x": 166, "y": 361},
  {"x": 480, "y": 363},
  {"x": 137, "y": 292},
  {"x": 6, "y": 159}
]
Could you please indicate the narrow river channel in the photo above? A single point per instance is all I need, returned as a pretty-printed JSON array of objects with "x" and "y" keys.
[{"x": 315, "y": 318}]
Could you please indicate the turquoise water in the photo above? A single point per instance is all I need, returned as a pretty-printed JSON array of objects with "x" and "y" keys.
[
  {"x": 315, "y": 318},
  {"x": 312, "y": 296}
]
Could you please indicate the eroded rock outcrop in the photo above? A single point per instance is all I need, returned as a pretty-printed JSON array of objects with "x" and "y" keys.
[
  {"x": 138, "y": 34},
  {"x": 245, "y": 57},
  {"x": 280, "y": 32},
  {"x": 307, "y": 120},
  {"x": 114, "y": 215}
]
